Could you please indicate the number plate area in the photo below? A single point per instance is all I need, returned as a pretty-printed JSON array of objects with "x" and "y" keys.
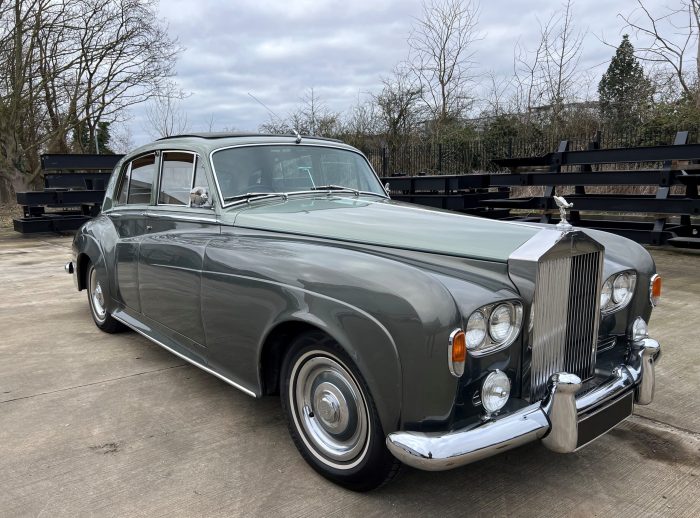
[{"x": 595, "y": 424}]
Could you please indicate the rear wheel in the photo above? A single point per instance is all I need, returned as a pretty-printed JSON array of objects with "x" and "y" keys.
[
  {"x": 98, "y": 309},
  {"x": 331, "y": 415}
]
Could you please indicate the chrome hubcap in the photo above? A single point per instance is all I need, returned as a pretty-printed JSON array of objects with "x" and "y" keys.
[
  {"x": 330, "y": 408},
  {"x": 97, "y": 296}
]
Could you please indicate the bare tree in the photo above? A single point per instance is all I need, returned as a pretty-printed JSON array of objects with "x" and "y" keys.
[
  {"x": 442, "y": 56},
  {"x": 668, "y": 39},
  {"x": 398, "y": 104},
  {"x": 527, "y": 78},
  {"x": 311, "y": 117},
  {"x": 68, "y": 70},
  {"x": 562, "y": 52},
  {"x": 164, "y": 114},
  {"x": 362, "y": 121}
]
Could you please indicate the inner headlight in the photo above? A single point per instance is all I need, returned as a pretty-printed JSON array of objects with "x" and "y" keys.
[
  {"x": 502, "y": 323},
  {"x": 621, "y": 288},
  {"x": 617, "y": 291},
  {"x": 493, "y": 327}
]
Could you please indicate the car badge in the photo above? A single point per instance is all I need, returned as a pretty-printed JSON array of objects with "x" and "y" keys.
[{"x": 563, "y": 225}]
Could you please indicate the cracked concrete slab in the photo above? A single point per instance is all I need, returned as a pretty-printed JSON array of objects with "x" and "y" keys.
[{"x": 94, "y": 424}]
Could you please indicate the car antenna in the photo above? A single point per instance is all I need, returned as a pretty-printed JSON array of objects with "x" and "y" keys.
[{"x": 296, "y": 133}]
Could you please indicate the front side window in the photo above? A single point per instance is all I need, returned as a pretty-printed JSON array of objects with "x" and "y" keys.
[
  {"x": 200, "y": 196},
  {"x": 137, "y": 183},
  {"x": 289, "y": 168},
  {"x": 176, "y": 178}
]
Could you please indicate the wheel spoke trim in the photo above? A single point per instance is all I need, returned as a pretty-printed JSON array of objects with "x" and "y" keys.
[
  {"x": 97, "y": 299},
  {"x": 329, "y": 409}
]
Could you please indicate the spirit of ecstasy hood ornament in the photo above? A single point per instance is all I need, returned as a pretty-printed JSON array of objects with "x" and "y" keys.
[{"x": 563, "y": 225}]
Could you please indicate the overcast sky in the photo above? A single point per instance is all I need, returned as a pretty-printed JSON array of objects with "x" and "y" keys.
[{"x": 278, "y": 49}]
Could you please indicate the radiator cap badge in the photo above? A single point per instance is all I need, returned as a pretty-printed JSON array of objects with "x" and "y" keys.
[{"x": 563, "y": 225}]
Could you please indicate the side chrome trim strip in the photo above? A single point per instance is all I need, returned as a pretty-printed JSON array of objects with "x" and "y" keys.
[
  {"x": 190, "y": 360},
  {"x": 177, "y": 217}
]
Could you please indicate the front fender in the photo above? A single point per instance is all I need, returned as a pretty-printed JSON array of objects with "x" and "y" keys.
[{"x": 394, "y": 319}]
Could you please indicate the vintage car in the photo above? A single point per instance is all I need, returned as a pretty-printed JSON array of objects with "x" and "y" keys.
[{"x": 392, "y": 332}]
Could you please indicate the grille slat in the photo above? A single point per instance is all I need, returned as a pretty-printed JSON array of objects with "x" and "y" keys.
[{"x": 566, "y": 315}]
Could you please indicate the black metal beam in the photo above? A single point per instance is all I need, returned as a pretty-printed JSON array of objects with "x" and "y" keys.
[
  {"x": 59, "y": 198},
  {"x": 73, "y": 162},
  {"x": 606, "y": 203},
  {"x": 626, "y": 177},
  {"x": 89, "y": 181}
]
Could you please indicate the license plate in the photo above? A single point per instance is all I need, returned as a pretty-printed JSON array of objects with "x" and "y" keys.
[{"x": 600, "y": 421}]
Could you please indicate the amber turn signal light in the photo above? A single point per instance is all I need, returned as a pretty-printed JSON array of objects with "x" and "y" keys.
[
  {"x": 457, "y": 352},
  {"x": 655, "y": 289}
]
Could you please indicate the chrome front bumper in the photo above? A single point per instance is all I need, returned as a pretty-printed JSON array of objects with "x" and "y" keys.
[{"x": 555, "y": 419}]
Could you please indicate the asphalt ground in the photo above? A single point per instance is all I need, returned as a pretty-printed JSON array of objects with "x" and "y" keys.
[{"x": 93, "y": 424}]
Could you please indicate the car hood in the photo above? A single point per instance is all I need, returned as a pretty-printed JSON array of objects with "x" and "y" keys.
[{"x": 386, "y": 223}]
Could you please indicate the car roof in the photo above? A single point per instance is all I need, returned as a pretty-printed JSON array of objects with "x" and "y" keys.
[
  {"x": 226, "y": 135},
  {"x": 206, "y": 143}
]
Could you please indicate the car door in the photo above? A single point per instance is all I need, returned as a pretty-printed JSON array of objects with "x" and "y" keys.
[
  {"x": 128, "y": 215},
  {"x": 181, "y": 223}
]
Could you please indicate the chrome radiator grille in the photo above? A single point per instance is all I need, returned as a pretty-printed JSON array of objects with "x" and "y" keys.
[{"x": 566, "y": 315}]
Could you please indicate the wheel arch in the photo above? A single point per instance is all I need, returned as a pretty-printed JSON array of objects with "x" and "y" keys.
[
  {"x": 384, "y": 382},
  {"x": 88, "y": 251}
]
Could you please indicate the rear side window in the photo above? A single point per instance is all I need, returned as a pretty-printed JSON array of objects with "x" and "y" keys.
[
  {"x": 176, "y": 178},
  {"x": 141, "y": 179},
  {"x": 137, "y": 182}
]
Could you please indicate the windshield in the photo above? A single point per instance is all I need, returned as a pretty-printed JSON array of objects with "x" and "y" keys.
[{"x": 249, "y": 170}]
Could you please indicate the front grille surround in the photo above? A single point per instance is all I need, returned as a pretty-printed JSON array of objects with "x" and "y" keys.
[
  {"x": 566, "y": 318},
  {"x": 559, "y": 276}
]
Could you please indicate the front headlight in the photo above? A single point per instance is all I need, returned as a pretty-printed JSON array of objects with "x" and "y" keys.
[
  {"x": 617, "y": 291},
  {"x": 493, "y": 327}
]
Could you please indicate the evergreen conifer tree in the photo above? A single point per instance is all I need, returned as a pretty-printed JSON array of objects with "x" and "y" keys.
[{"x": 625, "y": 92}]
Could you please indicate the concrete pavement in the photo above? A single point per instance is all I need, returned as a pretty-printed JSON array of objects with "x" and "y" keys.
[{"x": 112, "y": 425}]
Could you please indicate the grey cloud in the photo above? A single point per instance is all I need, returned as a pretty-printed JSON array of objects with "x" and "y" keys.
[{"x": 278, "y": 49}]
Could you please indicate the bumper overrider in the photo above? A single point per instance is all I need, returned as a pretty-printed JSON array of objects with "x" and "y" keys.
[{"x": 562, "y": 420}]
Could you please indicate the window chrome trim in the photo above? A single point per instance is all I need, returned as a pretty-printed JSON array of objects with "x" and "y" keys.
[
  {"x": 195, "y": 156},
  {"x": 238, "y": 202},
  {"x": 119, "y": 186}
]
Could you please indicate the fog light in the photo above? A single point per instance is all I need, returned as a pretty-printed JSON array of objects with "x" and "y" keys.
[
  {"x": 495, "y": 391},
  {"x": 639, "y": 330}
]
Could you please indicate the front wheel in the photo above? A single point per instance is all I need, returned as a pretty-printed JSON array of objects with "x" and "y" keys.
[
  {"x": 331, "y": 415},
  {"x": 98, "y": 309}
]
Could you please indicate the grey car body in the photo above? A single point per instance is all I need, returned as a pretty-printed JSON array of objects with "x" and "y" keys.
[{"x": 228, "y": 286}]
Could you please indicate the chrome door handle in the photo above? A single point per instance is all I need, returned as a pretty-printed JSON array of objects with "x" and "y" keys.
[{"x": 149, "y": 228}]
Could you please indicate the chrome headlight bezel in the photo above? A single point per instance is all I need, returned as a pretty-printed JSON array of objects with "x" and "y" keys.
[
  {"x": 617, "y": 291},
  {"x": 486, "y": 316}
]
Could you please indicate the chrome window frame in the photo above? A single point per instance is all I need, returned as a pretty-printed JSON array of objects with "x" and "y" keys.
[
  {"x": 195, "y": 157},
  {"x": 126, "y": 168},
  {"x": 237, "y": 202}
]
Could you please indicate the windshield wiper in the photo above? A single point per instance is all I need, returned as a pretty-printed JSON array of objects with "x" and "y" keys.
[
  {"x": 331, "y": 187},
  {"x": 254, "y": 195}
]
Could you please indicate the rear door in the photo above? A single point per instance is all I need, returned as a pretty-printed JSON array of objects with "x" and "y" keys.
[
  {"x": 128, "y": 215},
  {"x": 181, "y": 223}
]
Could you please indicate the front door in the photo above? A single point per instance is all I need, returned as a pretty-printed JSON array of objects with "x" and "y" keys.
[{"x": 171, "y": 255}]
